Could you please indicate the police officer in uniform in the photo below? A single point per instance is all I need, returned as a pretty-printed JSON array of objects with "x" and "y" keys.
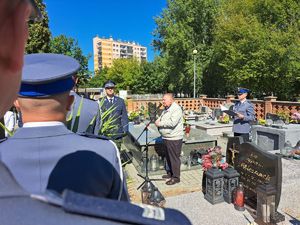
[
  {"x": 90, "y": 166},
  {"x": 19, "y": 207},
  {"x": 84, "y": 115},
  {"x": 119, "y": 112},
  {"x": 245, "y": 114}
]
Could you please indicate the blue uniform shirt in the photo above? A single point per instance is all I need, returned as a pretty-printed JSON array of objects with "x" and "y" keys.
[{"x": 242, "y": 126}]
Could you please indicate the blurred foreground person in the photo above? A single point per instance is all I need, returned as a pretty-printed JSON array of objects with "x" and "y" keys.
[
  {"x": 90, "y": 166},
  {"x": 18, "y": 206}
]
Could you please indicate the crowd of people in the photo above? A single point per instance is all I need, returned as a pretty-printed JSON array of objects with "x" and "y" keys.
[
  {"x": 49, "y": 174},
  {"x": 51, "y": 169}
]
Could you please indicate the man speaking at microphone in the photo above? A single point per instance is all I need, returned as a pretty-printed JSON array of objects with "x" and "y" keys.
[{"x": 170, "y": 126}]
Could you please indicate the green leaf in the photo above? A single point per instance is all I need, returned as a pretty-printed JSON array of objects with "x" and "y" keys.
[
  {"x": 77, "y": 118},
  {"x": 5, "y": 128}
]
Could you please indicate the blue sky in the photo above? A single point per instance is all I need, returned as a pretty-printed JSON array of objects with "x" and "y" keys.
[{"x": 130, "y": 20}]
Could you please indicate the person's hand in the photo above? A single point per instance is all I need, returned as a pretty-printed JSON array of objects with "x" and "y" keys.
[
  {"x": 13, "y": 35},
  {"x": 240, "y": 116},
  {"x": 157, "y": 123}
]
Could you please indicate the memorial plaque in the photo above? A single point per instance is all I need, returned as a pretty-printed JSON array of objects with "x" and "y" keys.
[
  {"x": 256, "y": 167},
  {"x": 232, "y": 150}
]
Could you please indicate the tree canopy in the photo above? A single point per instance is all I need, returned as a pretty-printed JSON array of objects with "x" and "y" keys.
[
  {"x": 39, "y": 33},
  {"x": 129, "y": 74},
  {"x": 184, "y": 26},
  {"x": 69, "y": 46},
  {"x": 256, "y": 44}
]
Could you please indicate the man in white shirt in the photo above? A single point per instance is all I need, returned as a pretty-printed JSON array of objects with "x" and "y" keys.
[{"x": 170, "y": 125}]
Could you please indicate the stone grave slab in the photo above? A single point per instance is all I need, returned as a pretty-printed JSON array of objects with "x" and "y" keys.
[
  {"x": 256, "y": 167},
  {"x": 212, "y": 127},
  {"x": 273, "y": 138},
  {"x": 136, "y": 143}
]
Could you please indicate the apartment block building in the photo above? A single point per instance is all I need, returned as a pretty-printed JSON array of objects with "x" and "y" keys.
[{"x": 107, "y": 49}]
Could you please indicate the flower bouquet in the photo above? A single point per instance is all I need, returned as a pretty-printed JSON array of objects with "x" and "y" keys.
[
  {"x": 213, "y": 159},
  {"x": 295, "y": 118},
  {"x": 224, "y": 119}
]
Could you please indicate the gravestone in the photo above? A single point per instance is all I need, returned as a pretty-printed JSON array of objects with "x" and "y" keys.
[
  {"x": 204, "y": 109},
  {"x": 232, "y": 150},
  {"x": 136, "y": 143},
  {"x": 273, "y": 138},
  {"x": 256, "y": 167},
  {"x": 152, "y": 110},
  {"x": 212, "y": 127},
  {"x": 217, "y": 113},
  {"x": 273, "y": 117}
]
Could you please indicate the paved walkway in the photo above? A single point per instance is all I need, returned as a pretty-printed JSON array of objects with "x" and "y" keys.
[{"x": 187, "y": 197}]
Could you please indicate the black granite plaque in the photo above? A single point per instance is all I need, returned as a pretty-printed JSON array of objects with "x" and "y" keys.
[
  {"x": 256, "y": 167},
  {"x": 232, "y": 150}
]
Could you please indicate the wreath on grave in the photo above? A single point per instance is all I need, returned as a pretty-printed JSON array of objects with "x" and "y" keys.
[{"x": 214, "y": 158}]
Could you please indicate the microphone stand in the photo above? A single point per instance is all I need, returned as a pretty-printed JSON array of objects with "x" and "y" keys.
[{"x": 146, "y": 177}]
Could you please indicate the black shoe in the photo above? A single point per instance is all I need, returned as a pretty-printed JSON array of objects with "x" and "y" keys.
[
  {"x": 173, "y": 181},
  {"x": 166, "y": 176}
]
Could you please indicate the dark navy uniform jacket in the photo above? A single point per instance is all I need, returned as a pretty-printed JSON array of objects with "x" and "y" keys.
[
  {"x": 90, "y": 166},
  {"x": 246, "y": 108},
  {"x": 89, "y": 115},
  {"x": 120, "y": 113}
]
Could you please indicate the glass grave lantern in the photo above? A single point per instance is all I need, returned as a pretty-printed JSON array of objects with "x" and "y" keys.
[
  {"x": 156, "y": 198},
  {"x": 214, "y": 186},
  {"x": 145, "y": 162},
  {"x": 231, "y": 181},
  {"x": 239, "y": 198},
  {"x": 265, "y": 203},
  {"x": 146, "y": 191},
  {"x": 154, "y": 164}
]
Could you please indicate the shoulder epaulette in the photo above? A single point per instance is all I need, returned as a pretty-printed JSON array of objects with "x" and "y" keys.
[
  {"x": 90, "y": 135},
  {"x": 2, "y": 140}
]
